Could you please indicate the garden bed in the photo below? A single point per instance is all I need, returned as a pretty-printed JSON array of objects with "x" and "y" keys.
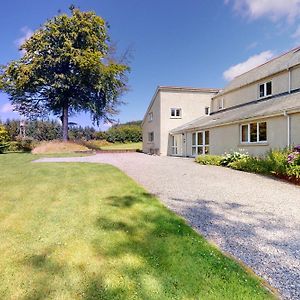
[{"x": 283, "y": 164}]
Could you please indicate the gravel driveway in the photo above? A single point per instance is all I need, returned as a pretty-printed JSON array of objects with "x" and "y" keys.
[{"x": 255, "y": 218}]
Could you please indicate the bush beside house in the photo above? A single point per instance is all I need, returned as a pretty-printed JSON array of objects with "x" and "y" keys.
[
  {"x": 4, "y": 138},
  {"x": 281, "y": 163}
]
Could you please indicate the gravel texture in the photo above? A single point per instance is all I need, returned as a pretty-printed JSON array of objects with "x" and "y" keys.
[{"x": 255, "y": 218}]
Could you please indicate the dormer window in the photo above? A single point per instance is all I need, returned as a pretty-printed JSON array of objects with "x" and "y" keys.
[
  {"x": 221, "y": 103},
  {"x": 265, "y": 89},
  {"x": 176, "y": 113}
]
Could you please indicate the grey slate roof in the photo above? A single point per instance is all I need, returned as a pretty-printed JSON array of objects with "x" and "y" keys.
[
  {"x": 261, "y": 109},
  {"x": 275, "y": 65}
]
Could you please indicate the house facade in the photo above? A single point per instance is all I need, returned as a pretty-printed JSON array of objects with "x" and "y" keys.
[
  {"x": 169, "y": 108},
  {"x": 258, "y": 111}
]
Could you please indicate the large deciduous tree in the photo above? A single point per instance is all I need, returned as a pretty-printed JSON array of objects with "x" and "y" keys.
[{"x": 66, "y": 68}]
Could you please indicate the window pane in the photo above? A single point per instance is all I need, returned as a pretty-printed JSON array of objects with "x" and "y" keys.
[
  {"x": 262, "y": 90},
  {"x": 200, "y": 150},
  {"x": 253, "y": 132},
  {"x": 178, "y": 112},
  {"x": 245, "y": 133},
  {"x": 269, "y": 88},
  {"x": 194, "y": 139},
  {"x": 263, "y": 132},
  {"x": 206, "y": 150},
  {"x": 206, "y": 137},
  {"x": 200, "y": 138},
  {"x": 193, "y": 151},
  {"x": 172, "y": 112}
]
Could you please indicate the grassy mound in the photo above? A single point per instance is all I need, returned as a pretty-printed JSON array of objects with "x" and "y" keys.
[{"x": 58, "y": 147}]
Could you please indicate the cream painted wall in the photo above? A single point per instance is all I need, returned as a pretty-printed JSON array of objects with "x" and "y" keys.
[
  {"x": 225, "y": 139},
  {"x": 154, "y": 126},
  {"x": 192, "y": 105},
  {"x": 295, "y": 129},
  {"x": 295, "y": 78},
  {"x": 280, "y": 84}
]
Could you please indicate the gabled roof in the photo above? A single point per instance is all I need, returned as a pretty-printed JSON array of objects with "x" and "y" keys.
[
  {"x": 178, "y": 89},
  {"x": 275, "y": 65},
  {"x": 255, "y": 110}
]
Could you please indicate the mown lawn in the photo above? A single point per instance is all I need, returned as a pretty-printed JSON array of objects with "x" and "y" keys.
[{"x": 87, "y": 231}]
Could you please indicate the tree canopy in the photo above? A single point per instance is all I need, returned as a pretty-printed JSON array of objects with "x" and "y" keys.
[{"x": 67, "y": 68}]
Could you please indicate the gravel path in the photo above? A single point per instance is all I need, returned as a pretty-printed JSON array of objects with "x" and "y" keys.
[{"x": 255, "y": 218}]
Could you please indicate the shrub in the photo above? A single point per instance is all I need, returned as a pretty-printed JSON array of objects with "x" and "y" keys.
[
  {"x": 124, "y": 133},
  {"x": 4, "y": 138},
  {"x": 278, "y": 160},
  {"x": 294, "y": 171},
  {"x": 252, "y": 164},
  {"x": 232, "y": 157},
  {"x": 209, "y": 160},
  {"x": 25, "y": 144}
]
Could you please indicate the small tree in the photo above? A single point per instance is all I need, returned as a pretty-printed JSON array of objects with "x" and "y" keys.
[
  {"x": 4, "y": 138},
  {"x": 67, "y": 68}
]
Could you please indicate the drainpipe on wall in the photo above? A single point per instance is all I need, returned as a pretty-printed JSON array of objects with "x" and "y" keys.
[
  {"x": 288, "y": 120},
  {"x": 290, "y": 80},
  {"x": 185, "y": 136}
]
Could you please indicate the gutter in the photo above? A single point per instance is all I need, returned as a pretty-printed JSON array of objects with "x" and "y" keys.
[{"x": 278, "y": 114}]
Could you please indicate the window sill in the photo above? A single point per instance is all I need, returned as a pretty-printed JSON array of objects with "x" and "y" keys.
[
  {"x": 265, "y": 97},
  {"x": 253, "y": 144},
  {"x": 175, "y": 117}
]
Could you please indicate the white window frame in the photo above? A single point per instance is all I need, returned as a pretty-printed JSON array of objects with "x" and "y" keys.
[
  {"x": 203, "y": 144},
  {"x": 150, "y": 116},
  {"x": 150, "y": 137},
  {"x": 176, "y": 115},
  {"x": 220, "y": 103},
  {"x": 249, "y": 133},
  {"x": 176, "y": 145},
  {"x": 265, "y": 89}
]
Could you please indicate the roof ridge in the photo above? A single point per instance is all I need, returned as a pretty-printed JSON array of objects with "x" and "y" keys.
[{"x": 272, "y": 59}]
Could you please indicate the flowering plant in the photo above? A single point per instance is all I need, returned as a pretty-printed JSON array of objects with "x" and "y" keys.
[
  {"x": 297, "y": 148},
  {"x": 294, "y": 157}
]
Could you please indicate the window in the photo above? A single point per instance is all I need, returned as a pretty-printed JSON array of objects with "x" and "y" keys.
[
  {"x": 221, "y": 103},
  {"x": 150, "y": 116},
  {"x": 254, "y": 132},
  {"x": 150, "y": 136},
  {"x": 175, "y": 113},
  {"x": 265, "y": 89},
  {"x": 200, "y": 143},
  {"x": 206, "y": 110}
]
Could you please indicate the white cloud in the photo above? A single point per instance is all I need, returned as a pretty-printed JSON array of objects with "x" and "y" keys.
[
  {"x": 7, "y": 108},
  {"x": 272, "y": 9},
  {"x": 247, "y": 65},
  {"x": 26, "y": 34}
]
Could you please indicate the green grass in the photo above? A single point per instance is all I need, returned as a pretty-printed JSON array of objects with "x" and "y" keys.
[
  {"x": 125, "y": 146},
  {"x": 87, "y": 231}
]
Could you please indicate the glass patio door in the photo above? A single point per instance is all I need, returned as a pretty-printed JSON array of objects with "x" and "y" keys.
[
  {"x": 177, "y": 144},
  {"x": 200, "y": 143}
]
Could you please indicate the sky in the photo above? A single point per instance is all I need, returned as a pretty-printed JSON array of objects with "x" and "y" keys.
[{"x": 193, "y": 43}]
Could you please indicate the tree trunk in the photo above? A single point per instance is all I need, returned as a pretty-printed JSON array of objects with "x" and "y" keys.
[{"x": 65, "y": 122}]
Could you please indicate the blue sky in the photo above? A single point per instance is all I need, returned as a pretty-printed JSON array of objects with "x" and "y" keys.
[{"x": 198, "y": 43}]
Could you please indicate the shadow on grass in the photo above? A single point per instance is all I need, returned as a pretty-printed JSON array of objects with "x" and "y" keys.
[{"x": 173, "y": 261}]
